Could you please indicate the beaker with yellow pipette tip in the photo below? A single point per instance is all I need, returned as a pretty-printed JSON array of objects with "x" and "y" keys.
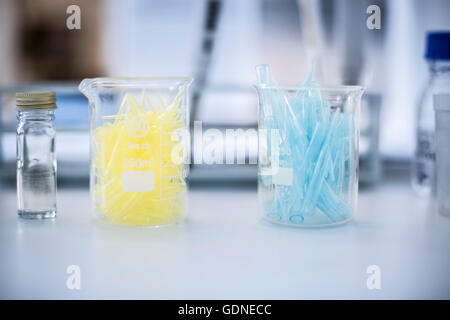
[{"x": 138, "y": 149}]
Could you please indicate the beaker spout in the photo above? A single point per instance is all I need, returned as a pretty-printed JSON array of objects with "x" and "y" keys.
[{"x": 85, "y": 87}]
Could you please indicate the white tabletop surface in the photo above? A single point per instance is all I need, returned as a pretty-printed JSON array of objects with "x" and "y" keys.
[{"x": 224, "y": 251}]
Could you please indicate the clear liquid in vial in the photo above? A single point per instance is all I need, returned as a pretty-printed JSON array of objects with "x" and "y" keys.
[{"x": 37, "y": 183}]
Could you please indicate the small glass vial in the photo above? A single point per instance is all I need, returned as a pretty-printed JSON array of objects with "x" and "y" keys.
[{"x": 36, "y": 159}]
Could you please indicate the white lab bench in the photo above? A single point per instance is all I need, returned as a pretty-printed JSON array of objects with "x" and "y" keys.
[{"x": 224, "y": 251}]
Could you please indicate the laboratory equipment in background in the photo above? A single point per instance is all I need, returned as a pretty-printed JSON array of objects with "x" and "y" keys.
[
  {"x": 348, "y": 53},
  {"x": 36, "y": 158},
  {"x": 223, "y": 100},
  {"x": 71, "y": 122},
  {"x": 369, "y": 154},
  {"x": 139, "y": 141},
  {"x": 308, "y": 151},
  {"x": 423, "y": 175},
  {"x": 442, "y": 117}
]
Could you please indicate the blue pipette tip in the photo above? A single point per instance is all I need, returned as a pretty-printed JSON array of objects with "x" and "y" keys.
[
  {"x": 274, "y": 216},
  {"x": 297, "y": 219},
  {"x": 263, "y": 74}
]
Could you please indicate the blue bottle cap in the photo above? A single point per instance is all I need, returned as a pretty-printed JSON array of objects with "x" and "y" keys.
[{"x": 438, "y": 46}]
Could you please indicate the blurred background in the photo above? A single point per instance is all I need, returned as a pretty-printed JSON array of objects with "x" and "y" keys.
[{"x": 219, "y": 43}]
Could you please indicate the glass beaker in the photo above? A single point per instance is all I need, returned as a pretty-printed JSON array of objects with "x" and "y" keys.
[
  {"x": 308, "y": 153},
  {"x": 139, "y": 143}
]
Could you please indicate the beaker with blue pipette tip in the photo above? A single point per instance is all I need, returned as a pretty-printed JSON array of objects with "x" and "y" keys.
[{"x": 310, "y": 178}]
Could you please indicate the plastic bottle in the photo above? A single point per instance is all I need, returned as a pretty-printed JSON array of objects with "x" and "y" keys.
[{"x": 438, "y": 58}]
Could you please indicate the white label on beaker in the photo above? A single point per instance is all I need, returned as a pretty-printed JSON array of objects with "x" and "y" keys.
[
  {"x": 138, "y": 181},
  {"x": 283, "y": 177}
]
